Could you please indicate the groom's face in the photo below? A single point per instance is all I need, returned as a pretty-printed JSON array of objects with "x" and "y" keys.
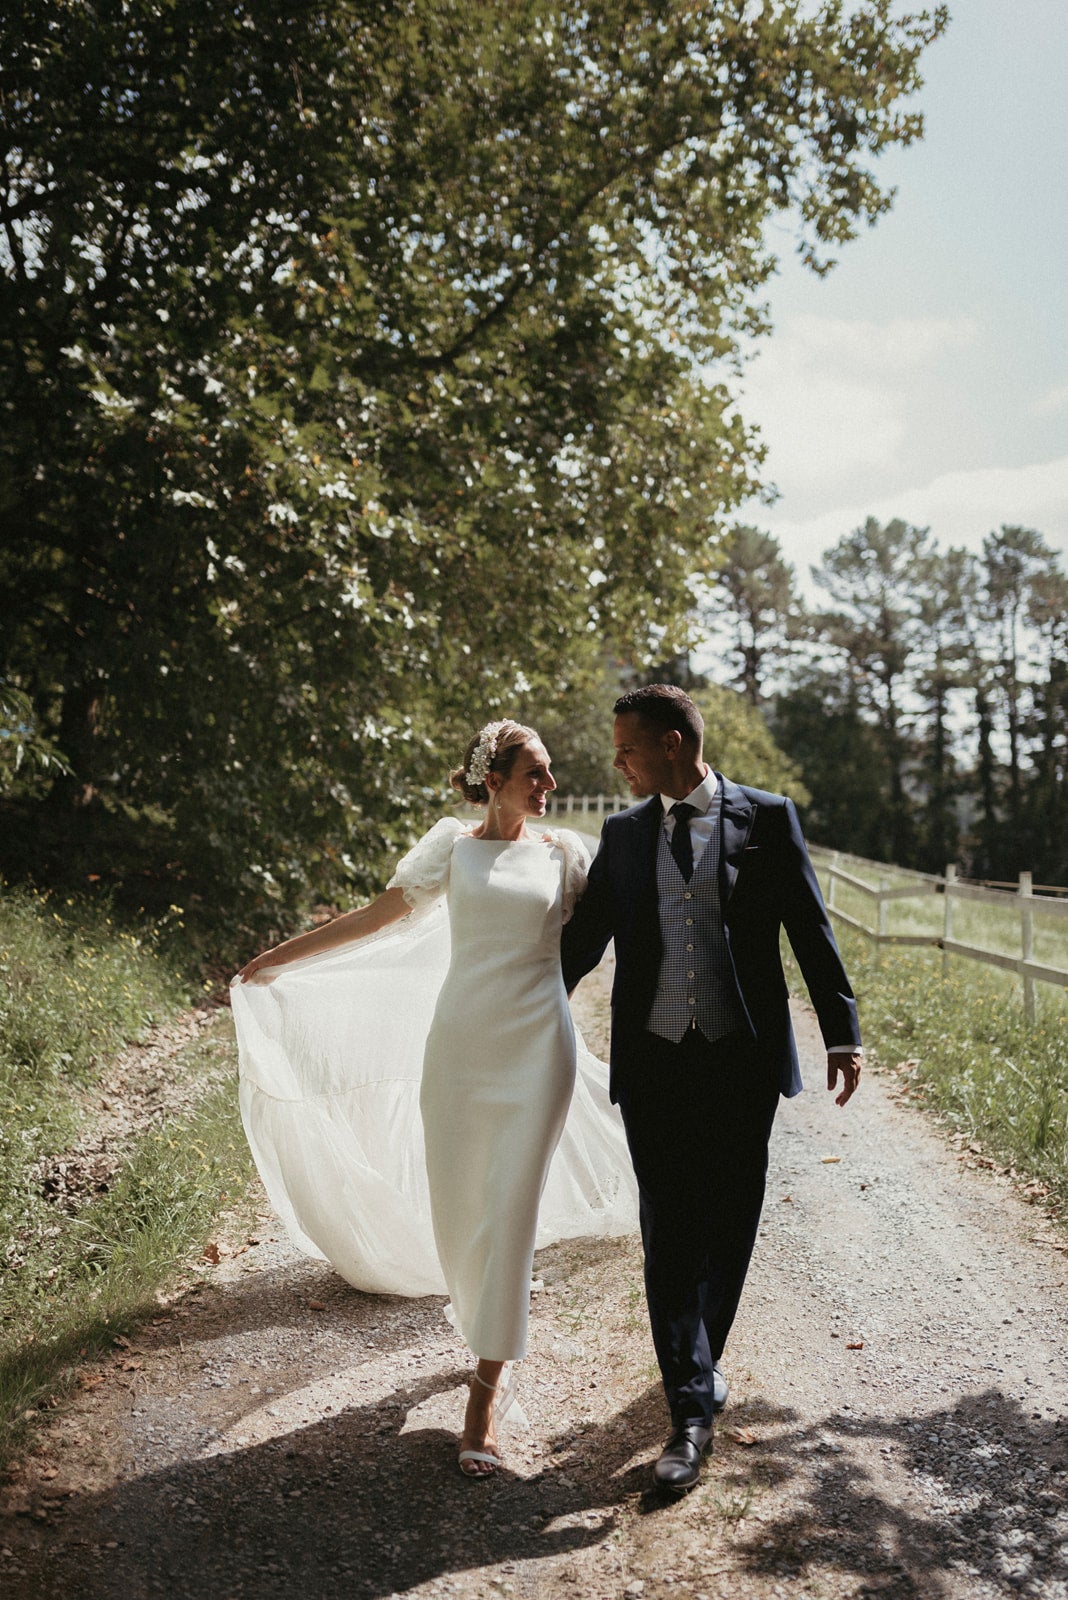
[{"x": 642, "y": 755}]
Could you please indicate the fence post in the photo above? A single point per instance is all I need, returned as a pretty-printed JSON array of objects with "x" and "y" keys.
[
  {"x": 947, "y": 915},
  {"x": 882, "y": 919},
  {"x": 1027, "y": 942}
]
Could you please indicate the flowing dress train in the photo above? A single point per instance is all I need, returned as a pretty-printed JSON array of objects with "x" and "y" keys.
[{"x": 419, "y": 1105}]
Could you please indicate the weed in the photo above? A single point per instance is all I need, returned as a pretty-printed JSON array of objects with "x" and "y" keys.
[{"x": 733, "y": 1499}]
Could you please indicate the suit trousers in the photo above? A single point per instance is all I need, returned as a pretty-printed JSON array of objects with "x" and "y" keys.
[{"x": 698, "y": 1118}]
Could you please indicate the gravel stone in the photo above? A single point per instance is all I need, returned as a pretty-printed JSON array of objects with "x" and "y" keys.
[{"x": 265, "y": 1450}]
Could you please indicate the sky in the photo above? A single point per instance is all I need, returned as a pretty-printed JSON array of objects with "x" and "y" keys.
[{"x": 926, "y": 377}]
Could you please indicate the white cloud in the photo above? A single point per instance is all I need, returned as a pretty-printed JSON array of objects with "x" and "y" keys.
[
  {"x": 958, "y": 507},
  {"x": 835, "y": 397},
  {"x": 1054, "y": 400}
]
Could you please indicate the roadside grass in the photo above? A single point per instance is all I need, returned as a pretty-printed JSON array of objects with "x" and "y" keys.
[
  {"x": 101, "y": 1269},
  {"x": 75, "y": 987},
  {"x": 955, "y": 1033},
  {"x": 977, "y": 922}
]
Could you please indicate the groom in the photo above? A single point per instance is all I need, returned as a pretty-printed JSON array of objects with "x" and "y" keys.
[{"x": 693, "y": 885}]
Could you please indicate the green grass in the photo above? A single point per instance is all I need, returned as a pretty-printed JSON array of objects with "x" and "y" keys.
[
  {"x": 977, "y": 1063},
  {"x": 101, "y": 1270},
  {"x": 75, "y": 987},
  {"x": 976, "y": 922}
]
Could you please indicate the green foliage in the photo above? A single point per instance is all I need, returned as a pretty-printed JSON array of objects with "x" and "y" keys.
[
  {"x": 350, "y": 387},
  {"x": 74, "y": 986},
  {"x": 22, "y": 749},
  {"x": 842, "y": 762},
  {"x": 739, "y": 744},
  {"x": 752, "y": 599}
]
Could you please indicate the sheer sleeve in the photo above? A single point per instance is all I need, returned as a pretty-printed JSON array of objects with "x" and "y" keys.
[
  {"x": 423, "y": 874},
  {"x": 576, "y": 866}
]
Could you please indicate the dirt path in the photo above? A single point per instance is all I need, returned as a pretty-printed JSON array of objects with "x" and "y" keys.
[{"x": 896, "y": 1425}]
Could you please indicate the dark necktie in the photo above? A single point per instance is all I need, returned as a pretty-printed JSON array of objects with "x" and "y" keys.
[{"x": 681, "y": 845}]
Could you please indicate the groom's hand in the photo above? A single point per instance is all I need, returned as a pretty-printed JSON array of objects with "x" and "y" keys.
[{"x": 849, "y": 1066}]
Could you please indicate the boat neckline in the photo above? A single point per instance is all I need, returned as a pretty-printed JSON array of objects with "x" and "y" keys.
[{"x": 549, "y": 837}]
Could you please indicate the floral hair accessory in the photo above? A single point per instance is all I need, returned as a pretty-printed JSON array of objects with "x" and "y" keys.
[{"x": 483, "y": 753}]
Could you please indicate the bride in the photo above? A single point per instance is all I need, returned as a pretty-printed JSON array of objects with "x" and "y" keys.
[{"x": 447, "y": 987}]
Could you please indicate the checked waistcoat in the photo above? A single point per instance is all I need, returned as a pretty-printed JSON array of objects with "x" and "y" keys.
[{"x": 695, "y": 983}]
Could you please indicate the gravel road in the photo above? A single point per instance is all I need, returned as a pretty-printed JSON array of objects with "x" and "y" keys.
[{"x": 896, "y": 1425}]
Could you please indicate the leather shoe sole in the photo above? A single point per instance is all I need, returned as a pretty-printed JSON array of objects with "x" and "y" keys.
[{"x": 679, "y": 1465}]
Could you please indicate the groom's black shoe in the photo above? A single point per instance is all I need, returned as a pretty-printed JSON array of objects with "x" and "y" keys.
[
  {"x": 720, "y": 1388},
  {"x": 679, "y": 1466}
]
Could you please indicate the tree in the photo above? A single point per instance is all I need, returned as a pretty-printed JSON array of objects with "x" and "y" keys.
[
  {"x": 1013, "y": 561},
  {"x": 870, "y": 575},
  {"x": 739, "y": 743},
  {"x": 22, "y": 749},
  {"x": 349, "y": 379},
  {"x": 819, "y": 723},
  {"x": 1048, "y": 790},
  {"x": 753, "y": 597},
  {"x": 942, "y": 586}
]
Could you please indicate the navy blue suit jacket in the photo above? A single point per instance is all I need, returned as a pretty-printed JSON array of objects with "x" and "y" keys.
[{"x": 766, "y": 882}]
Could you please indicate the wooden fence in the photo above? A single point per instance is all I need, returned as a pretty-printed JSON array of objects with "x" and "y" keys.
[
  {"x": 1016, "y": 909},
  {"x": 881, "y": 888}
]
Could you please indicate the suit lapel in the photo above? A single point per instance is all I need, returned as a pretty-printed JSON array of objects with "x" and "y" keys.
[
  {"x": 641, "y": 856},
  {"x": 736, "y": 817}
]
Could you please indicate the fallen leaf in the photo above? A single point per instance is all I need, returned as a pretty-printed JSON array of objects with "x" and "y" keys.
[
  {"x": 744, "y": 1436},
  {"x": 132, "y": 1366},
  {"x": 91, "y": 1380},
  {"x": 858, "y": 1344},
  {"x": 121, "y": 1341},
  {"x": 787, "y": 1199},
  {"x": 830, "y": 1161},
  {"x": 316, "y": 1305},
  {"x": 211, "y": 1253},
  {"x": 50, "y": 1472}
]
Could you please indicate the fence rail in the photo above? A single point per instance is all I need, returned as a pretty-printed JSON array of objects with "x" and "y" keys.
[
  {"x": 587, "y": 805},
  {"x": 1012, "y": 912},
  {"x": 1016, "y": 911}
]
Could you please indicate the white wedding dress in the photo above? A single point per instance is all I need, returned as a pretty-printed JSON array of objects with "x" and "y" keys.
[{"x": 460, "y": 1012}]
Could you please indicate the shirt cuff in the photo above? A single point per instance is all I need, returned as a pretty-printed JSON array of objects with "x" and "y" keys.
[{"x": 845, "y": 1049}]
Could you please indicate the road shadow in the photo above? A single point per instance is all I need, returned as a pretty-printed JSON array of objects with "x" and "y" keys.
[
  {"x": 971, "y": 1498},
  {"x": 350, "y": 1504}
]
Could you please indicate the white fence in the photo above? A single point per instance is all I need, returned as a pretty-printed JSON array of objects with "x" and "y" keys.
[
  {"x": 587, "y": 806},
  {"x": 1015, "y": 911},
  {"x": 1011, "y": 918}
]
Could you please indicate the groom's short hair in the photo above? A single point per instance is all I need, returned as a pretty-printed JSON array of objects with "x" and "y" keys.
[{"x": 665, "y": 706}]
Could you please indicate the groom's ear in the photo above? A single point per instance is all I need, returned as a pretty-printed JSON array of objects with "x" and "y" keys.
[{"x": 672, "y": 741}]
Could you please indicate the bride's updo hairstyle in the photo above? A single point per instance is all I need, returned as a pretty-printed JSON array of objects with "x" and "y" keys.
[{"x": 494, "y": 748}]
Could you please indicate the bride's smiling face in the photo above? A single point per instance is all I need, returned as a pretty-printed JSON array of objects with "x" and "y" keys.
[{"x": 530, "y": 782}]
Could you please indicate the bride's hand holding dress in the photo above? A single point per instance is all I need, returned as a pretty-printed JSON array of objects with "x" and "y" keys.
[{"x": 404, "y": 1094}]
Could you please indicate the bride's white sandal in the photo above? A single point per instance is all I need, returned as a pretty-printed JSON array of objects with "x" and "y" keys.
[{"x": 491, "y": 1461}]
